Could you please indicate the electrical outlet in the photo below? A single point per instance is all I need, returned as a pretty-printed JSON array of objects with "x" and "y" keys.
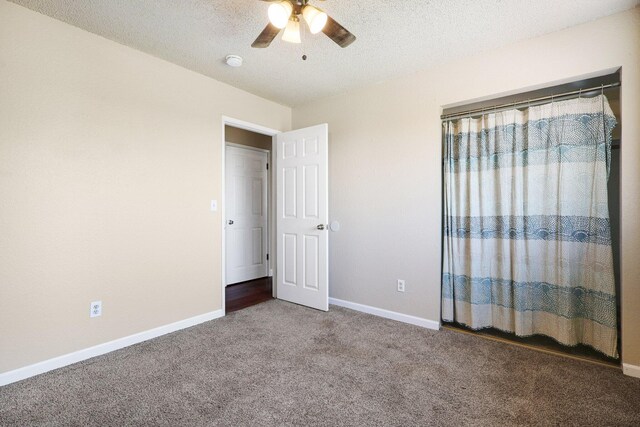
[
  {"x": 401, "y": 285},
  {"x": 96, "y": 309}
]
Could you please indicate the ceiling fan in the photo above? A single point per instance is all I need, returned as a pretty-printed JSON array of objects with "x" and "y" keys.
[{"x": 286, "y": 14}]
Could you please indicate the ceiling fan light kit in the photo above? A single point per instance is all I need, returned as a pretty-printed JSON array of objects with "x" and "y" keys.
[
  {"x": 316, "y": 19},
  {"x": 279, "y": 13},
  {"x": 285, "y": 14},
  {"x": 292, "y": 31}
]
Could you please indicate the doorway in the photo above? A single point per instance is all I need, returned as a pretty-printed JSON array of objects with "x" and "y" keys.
[
  {"x": 247, "y": 218},
  {"x": 296, "y": 253}
]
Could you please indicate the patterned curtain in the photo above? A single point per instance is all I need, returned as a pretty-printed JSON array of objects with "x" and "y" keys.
[{"x": 527, "y": 241}]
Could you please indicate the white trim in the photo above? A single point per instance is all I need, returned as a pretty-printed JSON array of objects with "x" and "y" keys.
[
  {"x": 380, "y": 312},
  {"x": 97, "y": 350},
  {"x": 246, "y": 147},
  {"x": 273, "y": 240},
  {"x": 237, "y": 123},
  {"x": 223, "y": 217},
  {"x": 631, "y": 370}
]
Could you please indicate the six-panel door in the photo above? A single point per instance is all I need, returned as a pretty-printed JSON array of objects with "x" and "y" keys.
[
  {"x": 246, "y": 214},
  {"x": 302, "y": 216}
]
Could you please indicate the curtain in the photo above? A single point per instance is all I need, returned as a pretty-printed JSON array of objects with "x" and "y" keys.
[{"x": 527, "y": 240}]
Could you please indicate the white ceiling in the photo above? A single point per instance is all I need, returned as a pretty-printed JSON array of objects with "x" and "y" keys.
[{"x": 394, "y": 38}]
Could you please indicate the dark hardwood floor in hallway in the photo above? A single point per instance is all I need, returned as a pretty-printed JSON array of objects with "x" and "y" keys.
[{"x": 245, "y": 294}]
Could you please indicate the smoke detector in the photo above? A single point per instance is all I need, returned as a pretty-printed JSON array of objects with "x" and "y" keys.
[{"x": 233, "y": 60}]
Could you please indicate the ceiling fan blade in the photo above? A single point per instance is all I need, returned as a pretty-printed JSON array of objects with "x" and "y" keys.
[
  {"x": 338, "y": 33},
  {"x": 266, "y": 36}
]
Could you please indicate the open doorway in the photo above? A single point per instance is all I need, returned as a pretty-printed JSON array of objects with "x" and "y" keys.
[
  {"x": 297, "y": 209},
  {"x": 248, "y": 215}
]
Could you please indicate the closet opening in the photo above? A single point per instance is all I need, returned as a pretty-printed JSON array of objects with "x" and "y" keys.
[{"x": 524, "y": 254}]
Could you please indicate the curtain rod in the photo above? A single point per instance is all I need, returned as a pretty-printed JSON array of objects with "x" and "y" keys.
[{"x": 528, "y": 102}]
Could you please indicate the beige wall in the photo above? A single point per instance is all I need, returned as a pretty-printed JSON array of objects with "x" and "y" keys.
[
  {"x": 248, "y": 138},
  {"x": 108, "y": 161},
  {"x": 385, "y": 163},
  {"x": 109, "y": 158}
]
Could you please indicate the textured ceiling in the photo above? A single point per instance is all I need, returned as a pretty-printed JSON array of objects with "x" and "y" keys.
[{"x": 394, "y": 38}]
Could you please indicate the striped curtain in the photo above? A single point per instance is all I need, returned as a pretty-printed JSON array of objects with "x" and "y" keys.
[{"x": 527, "y": 241}]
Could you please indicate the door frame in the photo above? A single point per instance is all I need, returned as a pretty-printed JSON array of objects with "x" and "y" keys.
[
  {"x": 268, "y": 197},
  {"x": 242, "y": 124}
]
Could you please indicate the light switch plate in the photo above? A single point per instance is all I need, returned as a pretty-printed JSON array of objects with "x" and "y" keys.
[{"x": 214, "y": 205}]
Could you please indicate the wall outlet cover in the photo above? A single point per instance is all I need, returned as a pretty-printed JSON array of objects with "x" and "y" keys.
[{"x": 96, "y": 309}]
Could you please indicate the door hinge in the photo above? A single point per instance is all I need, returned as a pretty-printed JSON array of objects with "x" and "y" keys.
[
  {"x": 267, "y": 257},
  {"x": 267, "y": 166}
]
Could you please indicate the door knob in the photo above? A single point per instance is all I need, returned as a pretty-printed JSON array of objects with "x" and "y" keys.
[
  {"x": 230, "y": 222},
  {"x": 320, "y": 227}
]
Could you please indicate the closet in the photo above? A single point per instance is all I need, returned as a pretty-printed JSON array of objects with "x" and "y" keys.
[{"x": 510, "y": 281}]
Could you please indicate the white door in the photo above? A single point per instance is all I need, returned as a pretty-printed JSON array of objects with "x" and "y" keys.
[
  {"x": 246, "y": 214},
  {"x": 302, "y": 216}
]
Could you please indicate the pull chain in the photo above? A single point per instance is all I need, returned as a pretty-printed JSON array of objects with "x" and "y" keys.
[{"x": 303, "y": 32}]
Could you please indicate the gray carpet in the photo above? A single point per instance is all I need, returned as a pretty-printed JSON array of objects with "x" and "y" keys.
[{"x": 281, "y": 364}]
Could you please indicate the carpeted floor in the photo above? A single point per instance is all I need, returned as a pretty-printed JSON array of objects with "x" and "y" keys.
[{"x": 281, "y": 364}]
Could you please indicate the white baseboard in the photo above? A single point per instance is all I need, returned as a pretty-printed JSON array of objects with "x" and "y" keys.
[
  {"x": 631, "y": 370},
  {"x": 97, "y": 350},
  {"x": 405, "y": 318}
]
